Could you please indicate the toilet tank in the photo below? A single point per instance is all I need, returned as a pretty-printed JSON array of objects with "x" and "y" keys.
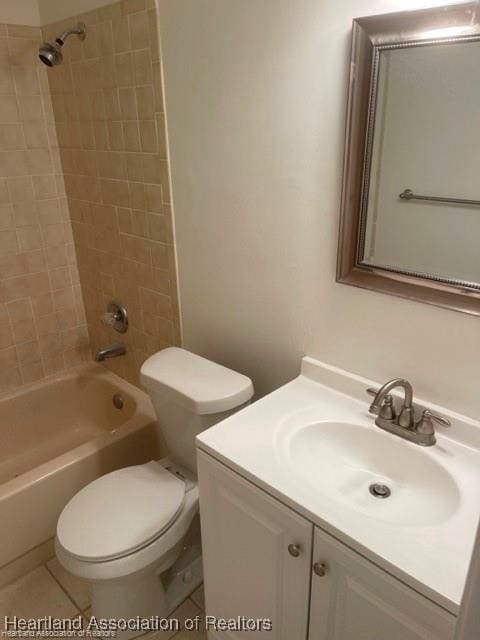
[{"x": 190, "y": 394}]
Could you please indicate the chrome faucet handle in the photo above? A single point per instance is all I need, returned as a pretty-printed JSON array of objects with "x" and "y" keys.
[
  {"x": 437, "y": 418},
  {"x": 424, "y": 429},
  {"x": 109, "y": 319},
  {"x": 116, "y": 316},
  {"x": 386, "y": 410},
  {"x": 425, "y": 424},
  {"x": 373, "y": 408}
]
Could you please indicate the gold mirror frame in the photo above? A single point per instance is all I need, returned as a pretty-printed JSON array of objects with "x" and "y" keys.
[{"x": 371, "y": 35}]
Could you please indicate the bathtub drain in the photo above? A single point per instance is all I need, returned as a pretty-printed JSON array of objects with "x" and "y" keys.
[{"x": 118, "y": 401}]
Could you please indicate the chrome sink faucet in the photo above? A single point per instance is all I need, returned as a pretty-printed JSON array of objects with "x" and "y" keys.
[
  {"x": 403, "y": 423},
  {"x": 405, "y": 417}
]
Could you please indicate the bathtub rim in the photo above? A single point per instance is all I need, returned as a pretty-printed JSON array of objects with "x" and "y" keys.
[{"x": 143, "y": 416}]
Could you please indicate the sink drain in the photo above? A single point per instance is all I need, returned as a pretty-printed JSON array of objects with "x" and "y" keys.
[{"x": 379, "y": 490}]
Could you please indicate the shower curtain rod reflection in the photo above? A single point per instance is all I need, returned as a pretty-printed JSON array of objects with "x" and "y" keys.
[{"x": 408, "y": 194}]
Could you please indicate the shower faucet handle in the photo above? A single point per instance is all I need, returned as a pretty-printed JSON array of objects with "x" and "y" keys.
[
  {"x": 109, "y": 319},
  {"x": 116, "y": 316}
]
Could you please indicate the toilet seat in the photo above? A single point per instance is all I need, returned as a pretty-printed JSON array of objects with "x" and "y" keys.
[
  {"x": 160, "y": 553},
  {"x": 120, "y": 513}
]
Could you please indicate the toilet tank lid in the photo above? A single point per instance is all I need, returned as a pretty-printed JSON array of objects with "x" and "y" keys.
[{"x": 201, "y": 386}]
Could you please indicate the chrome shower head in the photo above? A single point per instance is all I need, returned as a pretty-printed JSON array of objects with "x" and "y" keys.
[{"x": 51, "y": 54}]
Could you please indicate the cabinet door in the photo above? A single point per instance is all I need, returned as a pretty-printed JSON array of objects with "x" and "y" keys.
[
  {"x": 355, "y": 600},
  {"x": 248, "y": 567}
]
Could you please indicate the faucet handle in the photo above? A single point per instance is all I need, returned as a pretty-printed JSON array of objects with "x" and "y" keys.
[
  {"x": 424, "y": 427},
  {"x": 116, "y": 316},
  {"x": 429, "y": 415},
  {"x": 373, "y": 408},
  {"x": 386, "y": 410},
  {"x": 108, "y": 319}
]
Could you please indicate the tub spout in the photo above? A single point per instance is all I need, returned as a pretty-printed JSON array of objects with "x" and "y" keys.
[{"x": 112, "y": 351}]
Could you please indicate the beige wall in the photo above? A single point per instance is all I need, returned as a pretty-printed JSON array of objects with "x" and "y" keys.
[
  {"x": 42, "y": 12},
  {"x": 108, "y": 107},
  {"x": 42, "y": 321},
  {"x": 256, "y": 97},
  {"x": 22, "y": 12},
  {"x": 53, "y": 10}
]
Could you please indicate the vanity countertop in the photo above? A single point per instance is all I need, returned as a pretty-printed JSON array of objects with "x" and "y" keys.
[{"x": 313, "y": 445}]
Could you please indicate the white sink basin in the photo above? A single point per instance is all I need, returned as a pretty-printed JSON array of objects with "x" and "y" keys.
[{"x": 341, "y": 461}]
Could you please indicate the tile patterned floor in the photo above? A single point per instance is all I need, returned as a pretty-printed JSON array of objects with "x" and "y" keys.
[{"x": 49, "y": 590}]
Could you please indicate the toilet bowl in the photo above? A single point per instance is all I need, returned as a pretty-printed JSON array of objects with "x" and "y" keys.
[
  {"x": 125, "y": 532},
  {"x": 123, "y": 546}
]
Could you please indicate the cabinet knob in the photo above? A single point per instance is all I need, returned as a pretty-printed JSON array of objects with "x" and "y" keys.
[
  {"x": 294, "y": 550},
  {"x": 319, "y": 569}
]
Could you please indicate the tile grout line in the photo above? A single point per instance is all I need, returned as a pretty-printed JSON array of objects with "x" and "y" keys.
[{"x": 80, "y": 612}]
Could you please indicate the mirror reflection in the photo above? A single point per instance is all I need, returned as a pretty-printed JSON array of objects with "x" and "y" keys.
[{"x": 421, "y": 208}]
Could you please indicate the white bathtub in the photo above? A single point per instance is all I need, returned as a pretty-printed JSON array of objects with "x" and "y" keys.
[{"x": 57, "y": 436}]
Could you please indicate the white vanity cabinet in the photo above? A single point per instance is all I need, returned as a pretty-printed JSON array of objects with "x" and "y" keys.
[
  {"x": 248, "y": 568},
  {"x": 262, "y": 560},
  {"x": 355, "y": 600}
]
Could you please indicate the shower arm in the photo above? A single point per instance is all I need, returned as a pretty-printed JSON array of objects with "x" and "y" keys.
[{"x": 79, "y": 30}]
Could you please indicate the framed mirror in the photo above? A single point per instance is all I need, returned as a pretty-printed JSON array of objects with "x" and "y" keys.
[{"x": 410, "y": 220}]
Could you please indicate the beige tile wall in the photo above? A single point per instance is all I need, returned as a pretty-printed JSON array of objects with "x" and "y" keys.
[
  {"x": 42, "y": 320},
  {"x": 108, "y": 106}
]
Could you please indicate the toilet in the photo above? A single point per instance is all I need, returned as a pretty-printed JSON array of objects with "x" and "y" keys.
[{"x": 127, "y": 531}]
